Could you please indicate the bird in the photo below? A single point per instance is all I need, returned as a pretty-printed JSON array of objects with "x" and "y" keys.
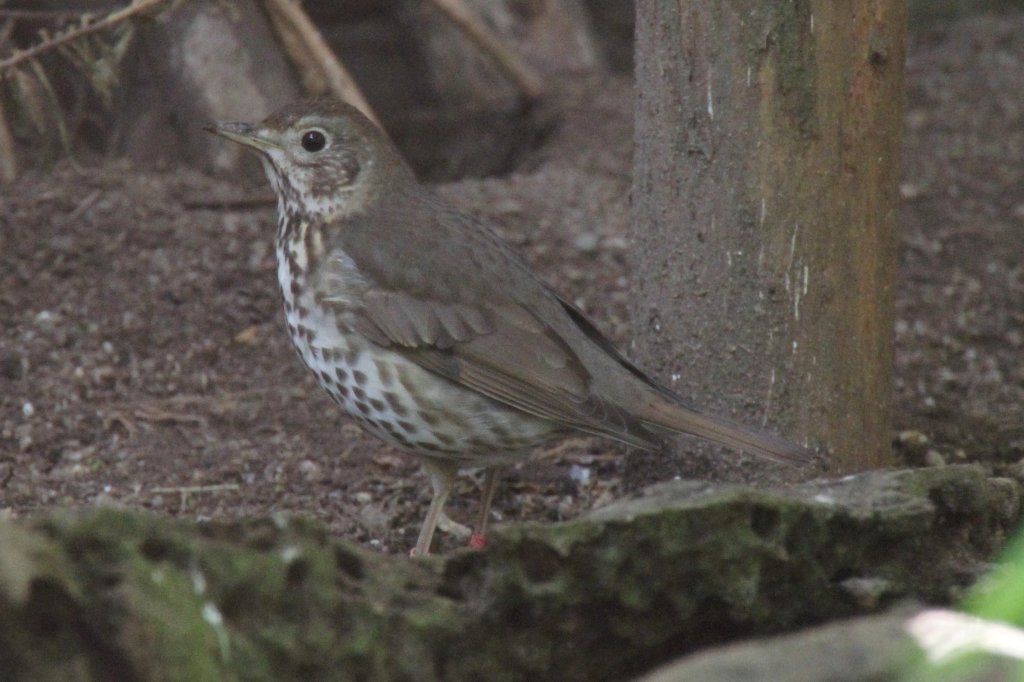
[{"x": 431, "y": 331}]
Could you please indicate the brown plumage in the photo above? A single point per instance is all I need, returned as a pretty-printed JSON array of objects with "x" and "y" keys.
[{"x": 430, "y": 330}]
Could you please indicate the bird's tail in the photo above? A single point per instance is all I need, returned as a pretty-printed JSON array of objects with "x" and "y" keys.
[{"x": 678, "y": 417}]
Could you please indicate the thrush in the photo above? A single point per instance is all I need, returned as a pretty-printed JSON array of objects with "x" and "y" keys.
[{"x": 429, "y": 330}]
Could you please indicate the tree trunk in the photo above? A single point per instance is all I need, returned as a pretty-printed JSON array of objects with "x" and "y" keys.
[{"x": 767, "y": 162}]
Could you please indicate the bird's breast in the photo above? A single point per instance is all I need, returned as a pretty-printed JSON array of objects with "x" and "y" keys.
[{"x": 388, "y": 394}]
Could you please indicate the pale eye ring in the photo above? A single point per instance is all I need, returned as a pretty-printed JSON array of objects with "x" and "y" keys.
[{"x": 313, "y": 140}]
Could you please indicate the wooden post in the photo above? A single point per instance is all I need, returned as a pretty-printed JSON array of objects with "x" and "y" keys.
[{"x": 765, "y": 199}]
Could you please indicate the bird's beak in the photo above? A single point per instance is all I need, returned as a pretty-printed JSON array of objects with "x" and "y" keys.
[{"x": 242, "y": 133}]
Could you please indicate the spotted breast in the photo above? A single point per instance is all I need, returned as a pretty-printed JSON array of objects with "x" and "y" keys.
[{"x": 390, "y": 396}]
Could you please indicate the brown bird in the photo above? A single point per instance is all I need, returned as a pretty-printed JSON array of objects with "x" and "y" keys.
[{"x": 428, "y": 329}]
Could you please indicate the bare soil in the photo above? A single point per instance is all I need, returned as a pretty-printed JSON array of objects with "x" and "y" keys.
[{"x": 143, "y": 360}]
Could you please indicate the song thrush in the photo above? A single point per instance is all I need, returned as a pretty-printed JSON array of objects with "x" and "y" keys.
[{"x": 428, "y": 329}]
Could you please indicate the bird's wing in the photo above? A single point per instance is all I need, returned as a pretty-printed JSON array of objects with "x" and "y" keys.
[
  {"x": 501, "y": 350},
  {"x": 442, "y": 289}
]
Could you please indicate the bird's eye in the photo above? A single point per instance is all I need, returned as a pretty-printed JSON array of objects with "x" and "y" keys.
[{"x": 313, "y": 140}]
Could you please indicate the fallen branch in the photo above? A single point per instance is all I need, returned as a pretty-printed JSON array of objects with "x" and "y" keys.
[
  {"x": 318, "y": 65},
  {"x": 473, "y": 28}
]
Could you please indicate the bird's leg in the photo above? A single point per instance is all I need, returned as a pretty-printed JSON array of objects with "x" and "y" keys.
[
  {"x": 478, "y": 540},
  {"x": 442, "y": 475}
]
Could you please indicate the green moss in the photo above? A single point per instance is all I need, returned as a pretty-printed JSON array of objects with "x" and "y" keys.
[{"x": 86, "y": 595}]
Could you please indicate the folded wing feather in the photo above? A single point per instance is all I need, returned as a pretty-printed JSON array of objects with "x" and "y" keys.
[{"x": 502, "y": 351}]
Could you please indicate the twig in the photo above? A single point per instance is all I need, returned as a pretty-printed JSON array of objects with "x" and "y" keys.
[
  {"x": 184, "y": 491},
  {"x": 83, "y": 206},
  {"x": 106, "y": 22},
  {"x": 321, "y": 70},
  {"x": 473, "y": 28},
  {"x": 118, "y": 417},
  {"x": 567, "y": 445},
  {"x": 158, "y": 416}
]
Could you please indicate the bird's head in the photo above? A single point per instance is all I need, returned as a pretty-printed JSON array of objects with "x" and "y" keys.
[{"x": 322, "y": 156}]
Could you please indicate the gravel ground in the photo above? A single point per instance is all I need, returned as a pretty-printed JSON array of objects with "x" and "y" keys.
[{"x": 143, "y": 360}]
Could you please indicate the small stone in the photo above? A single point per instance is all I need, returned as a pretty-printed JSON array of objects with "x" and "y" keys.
[
  {"x": 580, "y": 475},
  {"x": 618, "y": 244},
  {"x": 586, "y": 242},
  {"x": 508, "y": 206},
  {"x": 105, "y": 499},
  {"x": 934, "y": 458},
  {"x": 1006, "y": 495},
  {"x": 909, "y": 190},
  {"x": 867, "y": 592},
  {"x": 28, "y": 409},
  {"x": 917, "y": 119},
  {"x": 912, "y": 437},
  {"x": 247, "y": 336},
  {"x": 272, "y": 472},
  {"x": 374, "y": 519},
  {"x": 311, "y": 471},
  {"x": 363, "y": 497}
]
